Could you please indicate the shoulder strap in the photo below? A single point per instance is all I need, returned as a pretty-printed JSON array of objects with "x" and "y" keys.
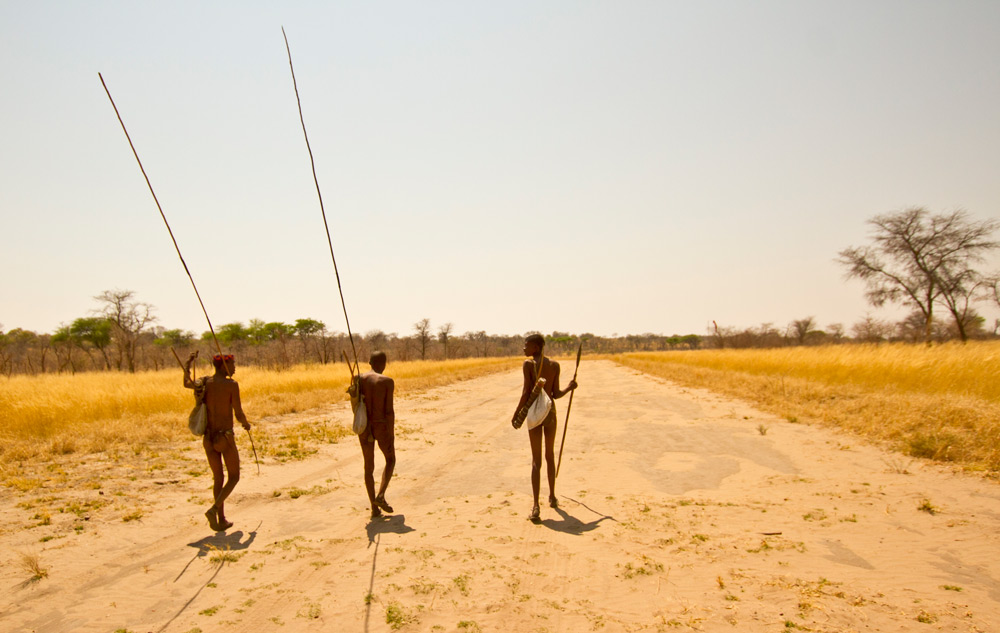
[{"x": 538, "y": 368}]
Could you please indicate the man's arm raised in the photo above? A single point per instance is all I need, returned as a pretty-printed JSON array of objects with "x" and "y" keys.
[{"x": 190, "y": 384}]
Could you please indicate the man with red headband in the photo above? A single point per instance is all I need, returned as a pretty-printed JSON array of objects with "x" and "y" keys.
[{"x": 222, "y": 399}]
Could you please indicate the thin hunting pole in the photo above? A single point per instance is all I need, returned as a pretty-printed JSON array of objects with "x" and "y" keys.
[
  {"x": 326, "y": 225},
  {"x": 194, "y": 368},
  {"x": 174, "y": 352},
  {"x": 569, "y": 408},
  {"x": 162, "y": 215},
  {"x": 176, "y": 248},
  {"x": 355, "y": 369}
]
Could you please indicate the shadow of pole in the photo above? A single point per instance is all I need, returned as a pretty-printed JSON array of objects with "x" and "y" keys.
[
  {"x": 196, "y": 555},
  {"x": 204, "y": 546},
  {"x": 371, "y": 583},
  {"x": 569, "y": 524},
  {"x": 188, "y": 603},
  {"x": 600, "y": 514}
]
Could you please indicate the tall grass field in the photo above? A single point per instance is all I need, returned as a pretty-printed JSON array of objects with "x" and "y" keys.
[
  {"x": 940, "y": 402},
  {"x": 59, "y": 414}
]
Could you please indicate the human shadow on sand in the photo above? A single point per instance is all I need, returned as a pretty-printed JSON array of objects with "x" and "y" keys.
[
  {"x": 220, "y": 541},
  {"x": 395, "y": 524},
  {"x": 569, "y": 524}
]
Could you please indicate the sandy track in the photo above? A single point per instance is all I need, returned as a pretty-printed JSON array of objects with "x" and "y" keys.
[{"x": 677, "y": 513}]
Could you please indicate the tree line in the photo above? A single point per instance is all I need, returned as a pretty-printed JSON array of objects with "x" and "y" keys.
[
  {"x": 869, "y": 329},
  {"x": 122, "y": 334},
  {"x": 926, "y": 262}
]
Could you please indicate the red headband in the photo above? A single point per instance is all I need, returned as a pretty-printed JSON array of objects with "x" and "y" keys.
[{"x": 226, "y": 357}]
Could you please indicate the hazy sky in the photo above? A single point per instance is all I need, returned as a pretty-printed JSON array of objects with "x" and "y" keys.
[{"x": 606, "y": 167}]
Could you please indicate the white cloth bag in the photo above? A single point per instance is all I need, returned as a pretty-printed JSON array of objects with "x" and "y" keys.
[
  {"x": 360, "y": 416},
  {"x": 358, "y": 405},
  {"x": 539, "y": 410},
  {"x": 198, "y": 418}
]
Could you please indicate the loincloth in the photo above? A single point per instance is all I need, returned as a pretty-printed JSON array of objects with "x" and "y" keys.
[{"x": 219, "y": 441}]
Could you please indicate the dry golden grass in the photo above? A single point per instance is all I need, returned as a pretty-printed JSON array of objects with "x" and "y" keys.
[
  {"x": 61, "y": 414},
  {"x": 940, "y": 402}
]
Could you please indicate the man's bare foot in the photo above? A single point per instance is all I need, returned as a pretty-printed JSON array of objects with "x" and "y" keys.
[
  {"x": 224, "y": 525},
  {"x": 213, "y": 518},
  {"x": 553, "y": 502},
  {"x": 376, "y": 513},
  {"x": 535, "y": 514},
  {"x": 380, "y": 502}
]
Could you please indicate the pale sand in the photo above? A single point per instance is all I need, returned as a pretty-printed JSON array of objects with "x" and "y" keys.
[{"x": 667, "y": 496}]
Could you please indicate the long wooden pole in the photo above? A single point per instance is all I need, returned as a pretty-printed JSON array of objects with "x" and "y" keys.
[
  {"x": 569, "y": 408},
  {"x": 194, "y": 368},
  {"x": 162, "y": 215},
  {"x": 177, "y": 248},
  {"x": 322, "y": 209}
]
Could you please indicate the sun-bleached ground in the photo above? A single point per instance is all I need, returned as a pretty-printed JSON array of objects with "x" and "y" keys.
[{"x": 680, "y": 510}]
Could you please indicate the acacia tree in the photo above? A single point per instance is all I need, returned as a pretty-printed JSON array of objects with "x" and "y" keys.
[
  {"x": 480, "y": 341},
  {"x": 278, "y": 331},
  {"x": 444, "y": 336},
  {"x": 423, "y": 330},
  {"x": 85, "y": 334},
  {"x": 19, "y": 344},
  {"x": 233, "y": 335},
  {"x": 306, "y": 329},
  {"x": 128, "y": 319},
  {"x": 911, "y": 328},
  {"x": 257, "y": 332},
  {"x": 62, "y": 342},
  {"x": 959, "y": 303},
  {"x": 175, "y": 338},
  {"x": 376, "y": 340},
  {"x": 958, "y": 293},
  {"x": 871, "y": 330},
  {"x": 836, "y": 331},
  {"x": 93, "y": 330},
  {"x": 802, "y": 328},
  {"x": 914, "y": 256}
]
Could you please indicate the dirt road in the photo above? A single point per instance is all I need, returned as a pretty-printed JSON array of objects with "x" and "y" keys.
[{"x": 680, "y": 510}]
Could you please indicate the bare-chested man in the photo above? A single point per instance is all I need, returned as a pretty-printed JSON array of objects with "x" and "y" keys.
[
  {"x": 377, "y": 391},
  {"x": 222, "y": 399},
  {"x": 533, "y": 346}
]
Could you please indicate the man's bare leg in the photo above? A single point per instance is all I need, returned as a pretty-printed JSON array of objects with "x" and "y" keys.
[
  {"x": 550, "y": 460},
  {"x": 368, "y": 451},
  {"x": 218, "y": 476},
  {"x": 389, "y": 452},
  {"x": 232, "y": 459},
  {"x": 535, "y": 438}
]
